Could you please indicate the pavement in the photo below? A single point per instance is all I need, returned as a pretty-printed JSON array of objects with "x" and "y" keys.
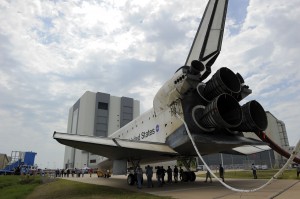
[{"x": 279, "y": 189}]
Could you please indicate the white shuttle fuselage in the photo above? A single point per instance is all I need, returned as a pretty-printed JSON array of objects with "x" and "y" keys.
[{"x": 158, "y": 123}]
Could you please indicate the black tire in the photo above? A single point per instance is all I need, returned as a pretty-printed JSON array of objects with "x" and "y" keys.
[
  {"x": 185, "y": 176},
  {"x": 130, "y": 179},
  {"x": 192, "y": 176}
]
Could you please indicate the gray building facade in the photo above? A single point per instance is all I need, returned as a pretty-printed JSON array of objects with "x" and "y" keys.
[{"x": 97, "y": 114}]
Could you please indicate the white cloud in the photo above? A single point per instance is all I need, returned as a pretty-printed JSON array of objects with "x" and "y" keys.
[
  {"x": 147, "y": 89},
  {"x": 51, "y": 52}
]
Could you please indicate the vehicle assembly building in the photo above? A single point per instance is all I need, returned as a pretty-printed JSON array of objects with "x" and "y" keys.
[{"x": 97, "y": 114}]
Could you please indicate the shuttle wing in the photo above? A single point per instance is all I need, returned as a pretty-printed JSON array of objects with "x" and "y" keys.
[{"x": 117, "y": 149}]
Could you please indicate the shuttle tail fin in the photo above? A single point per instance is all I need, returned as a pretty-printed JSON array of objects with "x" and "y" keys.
[{"x": 208, "y": 40}]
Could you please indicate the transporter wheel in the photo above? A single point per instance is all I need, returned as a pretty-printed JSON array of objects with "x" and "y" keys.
[
  {"x": 188, "y": 176},
  {"x": 100, "y": 174},
  {"x": 192, "y": 176},
  {"x": 185, "y": 176},
  {"x": 130, "y": 179}
]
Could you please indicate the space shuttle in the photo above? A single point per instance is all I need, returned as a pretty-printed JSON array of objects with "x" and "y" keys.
[{"x": 209, "y": 109}]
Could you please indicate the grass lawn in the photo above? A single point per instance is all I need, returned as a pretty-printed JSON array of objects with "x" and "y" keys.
[
  {"x": 261, "y": 174},
  {"x": 15, "y": 187}
]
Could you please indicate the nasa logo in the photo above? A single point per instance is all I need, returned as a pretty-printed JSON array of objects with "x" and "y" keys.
[{"x": 157, "y": 128}]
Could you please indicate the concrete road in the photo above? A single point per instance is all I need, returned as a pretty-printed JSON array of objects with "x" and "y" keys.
[{"x": 279, "y": 189}]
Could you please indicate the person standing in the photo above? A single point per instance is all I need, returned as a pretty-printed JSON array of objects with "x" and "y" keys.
[
  {"x": 253, "y": 167},
  {"x": 163, "y": 170},
  {"x": 90, "y": 172},
  {"x": 68, "y": 172},
  {"x": 78, "y": 173},
  {"x": 57, "y": 173},
  {"x": 149, "y": 174},
  {"x": 221, "y": 172},
  {"x": 180, "y": 173},
  {"x": 208, "y": 176},
  {"x": 176, "y": 174},
  {"x": 139, "y": 176},
  {"x": 159, "y": 176},
  {"x": 298, "y": 170},
  {"x": 169, "y": 172}
]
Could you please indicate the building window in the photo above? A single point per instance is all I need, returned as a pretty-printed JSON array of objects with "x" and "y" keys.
[
  {"x": 102, "y": 105},
  {"x": 93, "y": 161}
]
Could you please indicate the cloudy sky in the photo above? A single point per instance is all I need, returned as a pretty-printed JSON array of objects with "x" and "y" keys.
[{"x": 51, "y": 52}]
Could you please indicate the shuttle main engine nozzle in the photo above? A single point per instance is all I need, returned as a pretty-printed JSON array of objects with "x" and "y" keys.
[
  {"x": 223, "y": 81},
  {"x": 254, "y": 118},
  {"x": 223, "y": 112}
]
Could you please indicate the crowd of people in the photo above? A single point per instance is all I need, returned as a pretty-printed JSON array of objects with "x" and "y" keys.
[
  {"x": 73, "y": 172},
  {"x": 161, "y": 172},
  {"x": 173, "y": 175}
]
